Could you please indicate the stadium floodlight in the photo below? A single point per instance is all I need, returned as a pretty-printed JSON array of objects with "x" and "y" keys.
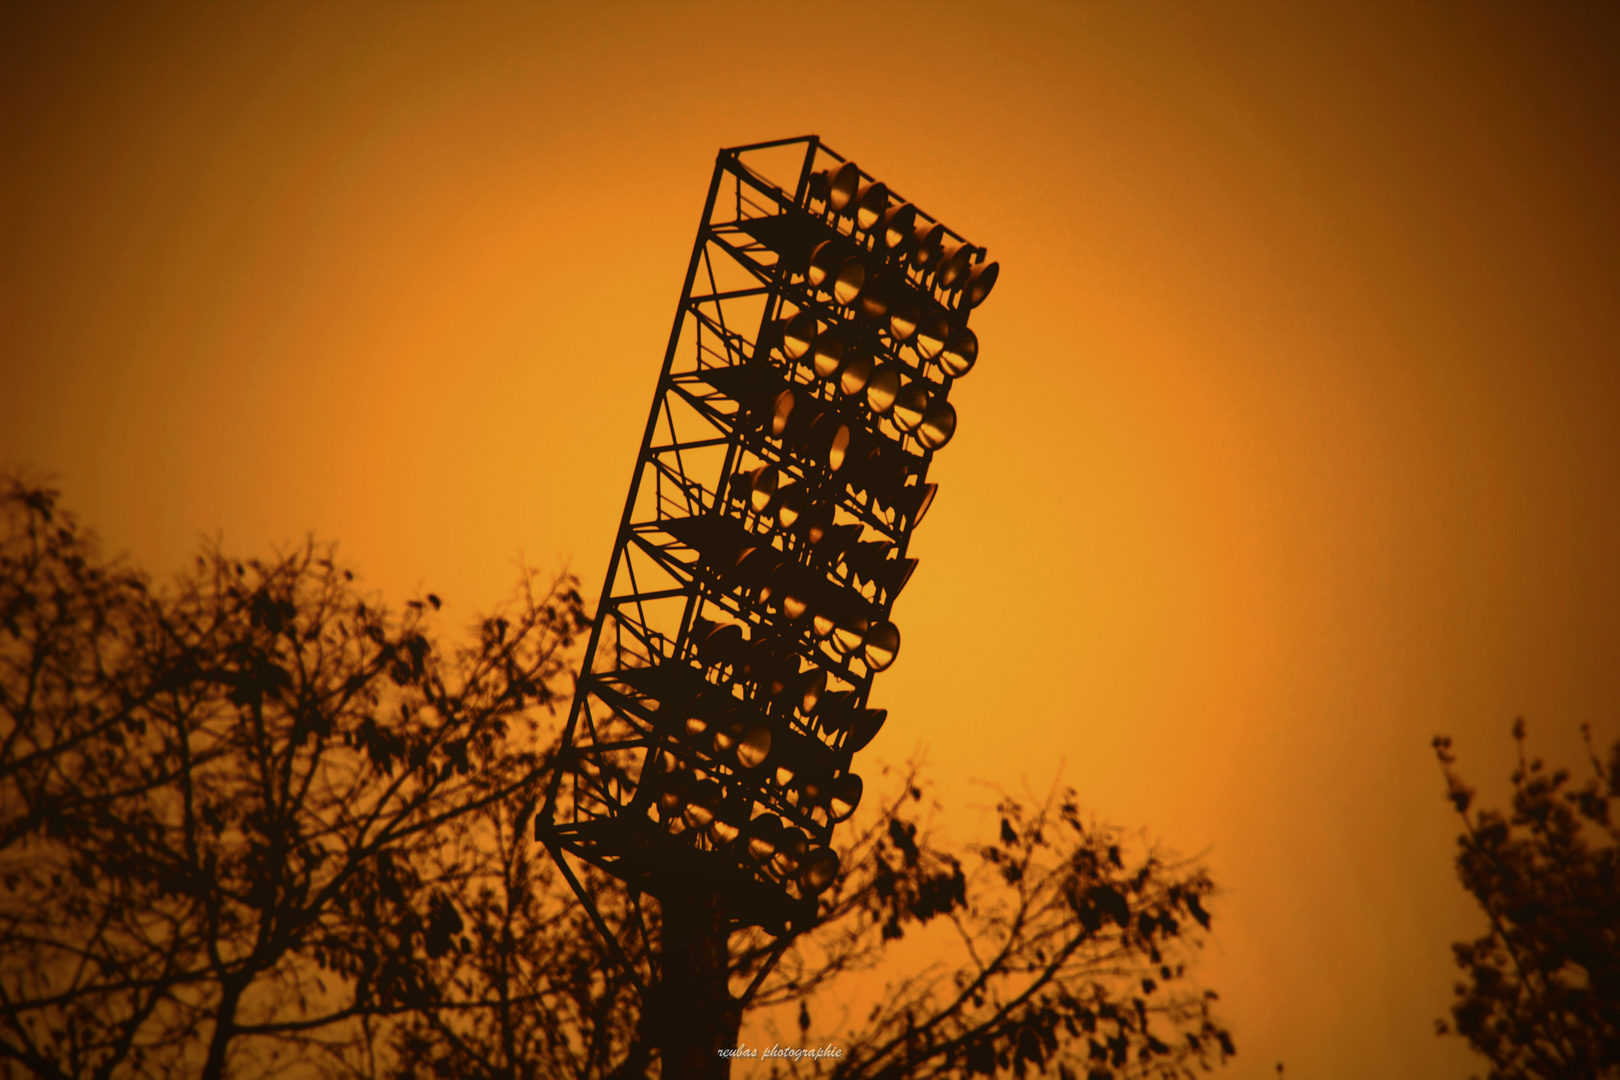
[{"x": 750, "y": 595}]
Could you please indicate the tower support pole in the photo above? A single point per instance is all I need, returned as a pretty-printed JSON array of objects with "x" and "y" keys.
[{"x": 696, "y": 1016}]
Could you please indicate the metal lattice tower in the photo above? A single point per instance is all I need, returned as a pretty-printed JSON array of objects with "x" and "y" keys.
[{"x": 764, "y": 540}]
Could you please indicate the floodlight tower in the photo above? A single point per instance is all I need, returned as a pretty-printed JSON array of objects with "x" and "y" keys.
[{"x": 707, "y": 753}]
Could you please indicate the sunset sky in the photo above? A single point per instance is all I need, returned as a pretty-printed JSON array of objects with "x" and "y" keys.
[{"x": 1294, "y": 438}]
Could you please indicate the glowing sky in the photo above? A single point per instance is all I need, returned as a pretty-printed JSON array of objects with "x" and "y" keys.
[{"x": 1295, "y": 436}]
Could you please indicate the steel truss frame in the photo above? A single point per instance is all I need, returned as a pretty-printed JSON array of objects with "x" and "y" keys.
[{"x": 663, "y": 775}]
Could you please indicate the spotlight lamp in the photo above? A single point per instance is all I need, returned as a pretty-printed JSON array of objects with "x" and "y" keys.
[{"x": 750, "y": 597}]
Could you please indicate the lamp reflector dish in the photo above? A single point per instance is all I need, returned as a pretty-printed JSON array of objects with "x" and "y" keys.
[
  {"x": 825, "y": 262},
  {"x": 841, "y": 186},
  {"x": 754, "y": 747},
  {"x": 938, "y": 425},
  {"x": 702, "y": 804},
  {"x": 820, "y": 870},
  {"x": 844, "y": 797},
  {"x": 904, "y": 315},
  {"x": 846, "y": 639},
  {"x": 932, "y": 333},
  {"x": 789, "y": 503},
  {"x": 781, "y": 412},
  {"x": 981, "y": 279},
  {"x": 953, "y": 269},
  {"x": 899, "y": 226},
  {"x": 930, "y": 240},
  {"x": 763, "y": 834},
  {"x": 910, "y": 406},
  {"x": 961, "y": 350},
  {"x": 870, "y": 203},
  {"x": 838, "y": 448},
  {"x": 881, "y": 390},
  {"x": 855, "y": 374},
  {"x": 851, "y": 277},
  {"x": 813, "y": 689},
  {"x": 797, "y": 334},
  {"x": 882, "y": 646},
  {"x": 827, "y": 353},
  {"x": 762, "y": 484}
]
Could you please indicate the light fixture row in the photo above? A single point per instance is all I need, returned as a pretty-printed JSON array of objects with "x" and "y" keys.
[
  {"x": 702, "y": 725},
  {"x": 899, "y": 235},
  {"x": 837, "y": 616},
  {"x": 812, "y": 532},
  {"x": 712, "y": 796},
  {"x": 830, "y": 344},
  {"x": 769, "y": 671},
  {"x": 812, "y": 431},
  {"x": 692, "y": 803}
]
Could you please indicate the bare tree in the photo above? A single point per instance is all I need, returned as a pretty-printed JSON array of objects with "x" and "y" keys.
[
  {"x": 1076, "y": 959},
  {"x": 252, "y": 821},
  {"x": 1075, "y": 954},
  {"x": 217, "y": 798},
  {"x": 1541, "y": 998}
]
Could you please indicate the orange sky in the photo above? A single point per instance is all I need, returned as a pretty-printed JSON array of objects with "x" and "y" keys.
[{"x": 1295, "y": 436}]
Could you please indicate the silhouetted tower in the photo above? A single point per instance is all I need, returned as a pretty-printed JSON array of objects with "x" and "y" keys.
[{"x": 706, "y": 757}]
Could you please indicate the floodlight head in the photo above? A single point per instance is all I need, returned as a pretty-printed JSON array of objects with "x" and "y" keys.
[
  {"x": 899, "y": 227},
  {"x": 816, "y": 522},
  {"x": 910, "y": 406},
  {"x": 838, "y": 447},
  {"x": 789, "y": 503},
  {"x": 980, "y": 280},
  {"x": 961, "y": 350},
  {"x": 838, "y": 186},
  {"x": 915, "y": 501},
  {"x": 881, "y": 390},
  {"x": 764, "y": 833},
  {"x": 929, "y": 244},
  {"x": 797, "y": 334},
  {"x": 820, "y": 870},
  {"x": 904, "y": 314},
  {"x": 874, "y": 299},
  {"x": 780, "y": 412},
  {"x": 702, "y": 803},
  {"x": 847, "y": 636},
  {"x": 826, "y": 260},
  {"x": 855, "y": 373},
  {"x": 932, "y": 332},
  {"x": 762, "y": 483},
  {"x": 953, "y": 268},
  {"x": 833, "y": 269},
  {"x": 870, "y": 203},
  {"x": 866, "y": 725},
  {"x": 814, "y": 687},
  {"x": 844, "y": 797},
  {"x": 881, "y": 646},
  {"x": 790, "y": 852},
  {"x": 827, "y": 354},
  {"x": 938, "y": 424},
  {"x": 829, "y": 440},
  {"x": 722, "y": 644},
  {"x": 753, "y": 745},
  {"x": 851, "y": 278}
]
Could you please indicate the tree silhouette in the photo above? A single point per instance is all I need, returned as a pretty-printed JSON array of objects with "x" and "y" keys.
[
  {"x": 220, "y": 802},
  {"x": 1542, "y": 992},
  {"x": 1077, "y": 958},
  {"x": 253, "y": 821}
]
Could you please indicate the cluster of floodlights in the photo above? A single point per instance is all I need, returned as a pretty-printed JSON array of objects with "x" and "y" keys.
[{"x": 840, "y": 408}]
